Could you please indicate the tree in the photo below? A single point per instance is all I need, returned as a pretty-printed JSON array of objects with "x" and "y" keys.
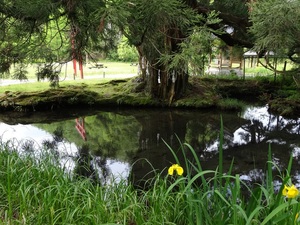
[
  {"x": 157, "y": 28},
  {"x": 276, "y": 28},
  {"x": 234, "y": 17},
  {"x": 39, "y": 29},
  {"x": 24, "y": 29},
  {"x": 163, "y": 31},
  {"x": 126, "y": 52}
]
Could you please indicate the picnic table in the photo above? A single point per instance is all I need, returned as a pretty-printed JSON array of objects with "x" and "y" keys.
[{"x": 97, "y": 66}]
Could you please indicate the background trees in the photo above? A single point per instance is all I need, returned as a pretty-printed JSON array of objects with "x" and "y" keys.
[
  {"x": 276, "y": 27},
  {"x": 173, "y": 38}
]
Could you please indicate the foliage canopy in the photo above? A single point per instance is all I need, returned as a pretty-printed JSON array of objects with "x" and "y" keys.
[
  {"x": 168, "y": 34},
  {"x": 276, "y": 27}
]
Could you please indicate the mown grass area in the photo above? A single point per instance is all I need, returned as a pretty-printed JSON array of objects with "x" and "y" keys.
[
  {"x": 67, "y": 71},
  {"x": 113, "y": 70},
  {"x": 44, "y": 85},
  {"x": 38, "y": 191}
]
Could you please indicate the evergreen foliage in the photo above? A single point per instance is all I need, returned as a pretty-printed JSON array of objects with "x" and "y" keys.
[
  {"x": 276, "y": 27},
  {"x": 170, "y": 36}
]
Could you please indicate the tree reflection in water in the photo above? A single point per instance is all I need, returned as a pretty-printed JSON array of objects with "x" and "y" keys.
[{"x": 135, "y": 140}]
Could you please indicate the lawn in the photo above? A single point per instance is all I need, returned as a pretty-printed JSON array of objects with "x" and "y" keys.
[
  {"x": 111, "y": 70},
  {"x": 88, "y": 69}
]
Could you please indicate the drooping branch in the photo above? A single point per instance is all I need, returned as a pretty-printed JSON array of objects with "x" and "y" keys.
[{"x": 239, "y": 25}]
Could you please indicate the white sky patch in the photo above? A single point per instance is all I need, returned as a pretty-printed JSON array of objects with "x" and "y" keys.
[
  {"x": 296, "y": 151},
  {"x": 237, "y": 136},
  {"x": 213, "y": 147},
  {"x": 20, "y": 133},
  {"x": 257, "y": 113}
]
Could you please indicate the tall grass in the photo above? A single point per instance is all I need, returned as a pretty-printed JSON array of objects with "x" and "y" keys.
[
  {"x": 219, "y": 197},
  {"x": 38, "y": 192}
]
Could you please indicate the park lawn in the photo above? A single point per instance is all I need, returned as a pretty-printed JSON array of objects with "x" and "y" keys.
[
  {"x": 111, "y": 70},
  {"x": 89, "y": 69}
]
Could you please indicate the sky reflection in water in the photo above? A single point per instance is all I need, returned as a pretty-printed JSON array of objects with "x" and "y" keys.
[{"x": 18, "y": 134}]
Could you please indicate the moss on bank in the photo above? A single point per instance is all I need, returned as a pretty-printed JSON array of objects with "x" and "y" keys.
[{"x": 218, "y": 93}]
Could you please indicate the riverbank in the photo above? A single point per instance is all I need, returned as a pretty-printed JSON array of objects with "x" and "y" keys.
[{"x": 208, "y": 92}]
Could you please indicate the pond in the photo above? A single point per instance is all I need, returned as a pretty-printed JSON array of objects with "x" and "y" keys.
[{"x": 134, "y": 143}]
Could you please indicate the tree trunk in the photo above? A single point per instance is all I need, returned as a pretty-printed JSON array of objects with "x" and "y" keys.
[{"x": 162, "y": 82}]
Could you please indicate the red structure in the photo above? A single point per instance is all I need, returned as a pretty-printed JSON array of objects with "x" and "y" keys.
[
  {"x": 80, "y": 127},
  {"x": 76, "y": 55}
]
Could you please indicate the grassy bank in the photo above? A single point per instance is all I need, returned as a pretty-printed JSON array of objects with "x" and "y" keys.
[
  {"x": 39, "y": 192},
  {"x": 202, "y": 93},
  {"x": 225, "y": 92}
]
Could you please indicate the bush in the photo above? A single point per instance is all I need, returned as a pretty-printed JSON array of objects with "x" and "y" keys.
[{"x": 127, "y": 53}]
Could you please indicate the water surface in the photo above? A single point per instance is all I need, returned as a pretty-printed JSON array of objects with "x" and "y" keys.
[{"x": 133, "y": 142}]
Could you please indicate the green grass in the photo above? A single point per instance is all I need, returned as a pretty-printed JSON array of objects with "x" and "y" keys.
[
  {"x": 67, "y": 69},
  {"x": 44, "y": 85},
  {"x": 40, "y": 193},
  {"x": 231, "y": 104},
  {"x": 37, "y": 191},
  {"x": 91, "y": 76},
  {"x": 259, "y": 70}
]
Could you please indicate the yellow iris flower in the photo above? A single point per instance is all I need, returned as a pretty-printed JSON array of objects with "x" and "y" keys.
[
  {"x": 290, "y": 192},
  {"x": 177, "y": 168}
]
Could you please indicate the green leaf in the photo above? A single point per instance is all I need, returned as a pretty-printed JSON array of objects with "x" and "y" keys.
[{"x": 277, "y": 211}]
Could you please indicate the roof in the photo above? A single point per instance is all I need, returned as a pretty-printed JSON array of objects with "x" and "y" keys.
[{"x": 251, "y": 53}]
